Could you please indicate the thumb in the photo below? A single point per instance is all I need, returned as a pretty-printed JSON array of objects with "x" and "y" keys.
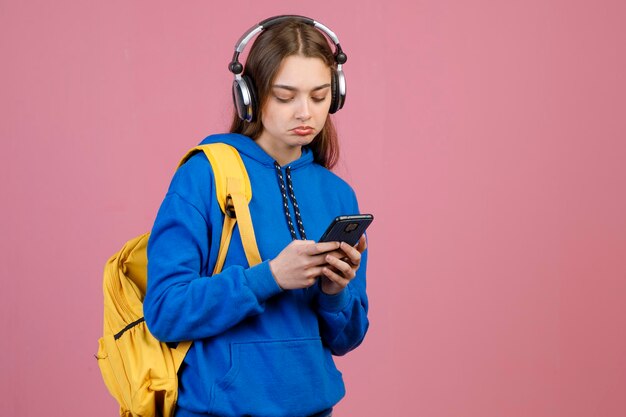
[{"x": 362, "y": 245}]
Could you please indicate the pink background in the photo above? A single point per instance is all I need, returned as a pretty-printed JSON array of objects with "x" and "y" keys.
[{"x": 487, "y": 138}]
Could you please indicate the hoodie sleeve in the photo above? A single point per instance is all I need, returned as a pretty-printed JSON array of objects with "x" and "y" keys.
[
  {"x": 343, "y": 317},
  {"x": 181, "y": 303}
]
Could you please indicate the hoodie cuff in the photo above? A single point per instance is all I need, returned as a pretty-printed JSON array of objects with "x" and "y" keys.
[
  {"x": 261, "y": 281},
  {"x": 336, "y": 302}
]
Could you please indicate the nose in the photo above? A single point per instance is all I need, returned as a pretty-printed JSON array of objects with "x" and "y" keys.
[{"x": 303, "y": 112}]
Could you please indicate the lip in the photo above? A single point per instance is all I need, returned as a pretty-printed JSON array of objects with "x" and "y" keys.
[{"x": 303, "y": 130}]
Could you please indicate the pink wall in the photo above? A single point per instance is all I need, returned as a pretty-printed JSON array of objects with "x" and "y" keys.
[{"x": 487, "y": 138}]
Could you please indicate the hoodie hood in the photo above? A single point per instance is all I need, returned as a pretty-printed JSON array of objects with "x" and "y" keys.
[{"x": 251, "y": 149}]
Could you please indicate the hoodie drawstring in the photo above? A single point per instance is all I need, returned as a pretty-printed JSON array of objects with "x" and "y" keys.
[
  {"x": 296, "y": 209},
  {"x": 292, "y": 197}
]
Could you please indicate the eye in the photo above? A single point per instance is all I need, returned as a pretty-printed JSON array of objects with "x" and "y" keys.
[
  {"x": 318, "y": 99},
  {"x": 283, "y": 99}
]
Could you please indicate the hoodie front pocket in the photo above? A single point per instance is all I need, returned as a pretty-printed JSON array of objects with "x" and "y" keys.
[{"x": 274, "y": 378}]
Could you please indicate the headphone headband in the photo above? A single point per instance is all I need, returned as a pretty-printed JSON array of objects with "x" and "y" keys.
[
  {"x": 244, "y": 94},
  {"x": 235, "y": 66}
]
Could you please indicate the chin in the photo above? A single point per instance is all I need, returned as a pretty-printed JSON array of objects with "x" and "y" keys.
[
  {"x": 302, "y": 140},
  {"x": 306, "y": 141}
]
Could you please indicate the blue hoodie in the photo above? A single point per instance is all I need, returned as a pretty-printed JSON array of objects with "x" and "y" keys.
[{"x": 258, "y": 350}]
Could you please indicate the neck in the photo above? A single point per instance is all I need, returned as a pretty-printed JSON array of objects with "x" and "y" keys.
[{"x": 281, "y": 154}]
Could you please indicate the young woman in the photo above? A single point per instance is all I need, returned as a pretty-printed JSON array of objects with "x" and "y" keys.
[{"x": 264, "y": 335}]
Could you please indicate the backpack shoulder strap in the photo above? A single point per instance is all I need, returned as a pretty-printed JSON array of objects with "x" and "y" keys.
[{"x": 234, "y": 192}]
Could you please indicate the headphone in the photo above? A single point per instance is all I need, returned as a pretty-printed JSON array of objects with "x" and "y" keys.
[{"x": 244, "y": 95}]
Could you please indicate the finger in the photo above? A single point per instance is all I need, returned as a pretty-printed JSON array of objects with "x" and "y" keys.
[
  {"x": 316, "y": 260},
  {"x": 339, "y": 254},
  {"x": 343, "y": 267},
  {"x": 313, "y": 273},
  {"x": 342, "y": 255},
  {"x": 322, "y": 247},
  {"x": 353, "y": 254},
  {"x": 334, "y": 277},
  {"x": 307, "y": 278}
]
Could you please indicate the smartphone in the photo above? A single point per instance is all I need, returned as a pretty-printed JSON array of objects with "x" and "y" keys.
[{"x": 348, "y": 228}]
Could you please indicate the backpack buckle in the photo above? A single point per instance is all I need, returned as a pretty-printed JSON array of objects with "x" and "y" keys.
[{"x": 230, "y": 208}]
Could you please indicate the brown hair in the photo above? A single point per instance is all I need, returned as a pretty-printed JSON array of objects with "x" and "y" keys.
[{"x": 272, "y": 46}]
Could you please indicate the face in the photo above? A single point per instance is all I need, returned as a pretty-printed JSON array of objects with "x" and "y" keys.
[{"x": 296, "y": 108}]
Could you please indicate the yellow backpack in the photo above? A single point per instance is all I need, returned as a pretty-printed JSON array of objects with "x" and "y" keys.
[{"x": 138, "y": 370}]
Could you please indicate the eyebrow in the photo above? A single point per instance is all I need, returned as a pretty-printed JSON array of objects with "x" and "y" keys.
[{"x": 290, "y": 88}]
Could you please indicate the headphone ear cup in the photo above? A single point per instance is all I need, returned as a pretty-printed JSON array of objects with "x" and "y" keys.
[
  {"x": 334, "y": 91},
  {"x": 244, "y": 98},
  {"x": 254, "y": 103},
  {"x": 338, "y": 91}
]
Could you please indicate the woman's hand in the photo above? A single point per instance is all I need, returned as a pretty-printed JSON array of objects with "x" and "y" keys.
[
  {"x": 342, "y": 266},
  {"x": 300, "y": 263}
]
